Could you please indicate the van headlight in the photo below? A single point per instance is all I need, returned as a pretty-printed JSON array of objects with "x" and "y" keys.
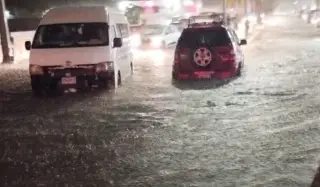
[
  {"x": 105, "y": 66},
  {"x": 35, "y": 70},
  {"x": 156, "y": 41}
]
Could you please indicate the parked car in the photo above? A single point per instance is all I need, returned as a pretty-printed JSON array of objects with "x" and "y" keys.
[{"x": 159, "y": 36}]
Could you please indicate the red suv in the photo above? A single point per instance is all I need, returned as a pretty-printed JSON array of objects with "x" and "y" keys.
[{"x": 208, "y": 51}]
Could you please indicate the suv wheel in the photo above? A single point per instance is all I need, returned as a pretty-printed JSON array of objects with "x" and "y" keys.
[
  {"x": 240, "y": 69},
  {"x": 109, "y": 83},
  {"x": 174, "y": 75}
]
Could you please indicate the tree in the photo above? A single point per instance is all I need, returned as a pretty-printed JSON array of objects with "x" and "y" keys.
[{"x": 133, "y": 14}]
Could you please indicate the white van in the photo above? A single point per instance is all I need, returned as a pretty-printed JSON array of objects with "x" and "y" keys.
[{"x": 80, "y": 47}]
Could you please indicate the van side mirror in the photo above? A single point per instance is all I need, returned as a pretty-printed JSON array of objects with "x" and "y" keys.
[
  {"x": 243, "y": 42},
  {"x": 117, "y": 42},
  {"x": 27, "y": 45}
]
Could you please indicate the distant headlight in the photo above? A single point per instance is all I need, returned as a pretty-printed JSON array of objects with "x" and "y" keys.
[
  {"x": 156, "y": 41},
  {"x": 136, "y": 40},
  {"x": 252, "y": 18}
]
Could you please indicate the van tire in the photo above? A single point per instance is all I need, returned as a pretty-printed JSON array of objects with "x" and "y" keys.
[
  {"x": 36, "y": 87},
  {"x": 109, "y": 83},
  {"x": 112, "y": 82}
]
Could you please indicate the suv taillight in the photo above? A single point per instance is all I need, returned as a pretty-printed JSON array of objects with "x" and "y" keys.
[
  {"x": 181, "y": 55},
  {"x": 226, "y": 53}
]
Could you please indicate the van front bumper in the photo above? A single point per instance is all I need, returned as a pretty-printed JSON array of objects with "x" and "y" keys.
[{"x": 70, "y": 77}]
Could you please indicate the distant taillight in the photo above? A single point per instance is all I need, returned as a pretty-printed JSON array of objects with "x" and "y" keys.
[{"x": 226, "y": 53}]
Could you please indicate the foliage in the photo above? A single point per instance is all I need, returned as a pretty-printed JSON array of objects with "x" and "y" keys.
[{"x": 133, "y": 14}]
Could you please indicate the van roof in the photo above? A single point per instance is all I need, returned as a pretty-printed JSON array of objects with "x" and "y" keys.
[{"x": 76, "y": 14}]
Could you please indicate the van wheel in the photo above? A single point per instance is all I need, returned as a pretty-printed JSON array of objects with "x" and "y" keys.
[
  {"x": 112, "y": 82},
  {"x": 109, "y": 83},
  {"x": 36, "y": 87}
]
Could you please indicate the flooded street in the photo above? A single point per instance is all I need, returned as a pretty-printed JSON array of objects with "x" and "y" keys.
[{"x": 259, "y": 130}]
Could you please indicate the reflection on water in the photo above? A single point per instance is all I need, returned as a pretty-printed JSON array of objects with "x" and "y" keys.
[{"x": 155, "y": 56}]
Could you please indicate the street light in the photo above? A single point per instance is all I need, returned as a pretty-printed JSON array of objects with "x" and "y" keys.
[
  {"x": 150, "y": 3},
  {"x": 123, "y": 5}
]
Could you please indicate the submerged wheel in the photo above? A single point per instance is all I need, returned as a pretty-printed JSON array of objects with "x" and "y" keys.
[
  {"x": 36, "y": 87},
  {"x": 239, "y": 70},
  {"x": 174, "y": 76},
  {"x": 109, "y": 83}
]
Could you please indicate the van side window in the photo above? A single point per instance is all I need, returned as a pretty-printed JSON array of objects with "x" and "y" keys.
[{"x": 124, "y": 30}]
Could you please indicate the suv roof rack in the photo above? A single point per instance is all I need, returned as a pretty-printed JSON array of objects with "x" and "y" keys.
[{"x": 213, "y": 20}]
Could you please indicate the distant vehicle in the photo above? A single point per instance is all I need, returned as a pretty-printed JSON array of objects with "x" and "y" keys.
[
  {"x": 218, "y": 16},
  {"x": 180, "y": 23},
  {"x": 159, "y": 36},
  {"x": 80, "y": 47},
  {"x": 305, "y": 14},
  {"x": 314, "y": 17},
  {"x": 136, "y": 35},
  {"x": 208, "y": 50}
]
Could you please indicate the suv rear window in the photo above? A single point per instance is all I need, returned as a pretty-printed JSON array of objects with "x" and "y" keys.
[{"x": 211, "y": 37}]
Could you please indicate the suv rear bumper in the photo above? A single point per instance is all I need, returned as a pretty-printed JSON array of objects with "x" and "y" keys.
[{"x": 209, "y": 74}]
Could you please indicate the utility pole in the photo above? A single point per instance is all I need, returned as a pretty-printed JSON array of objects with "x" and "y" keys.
[
  {"x": 245, "y": 4},
  {"x": 259, "y": 11},
  {"x": 181, "y": 5},
  {"x": 236, "y": 13},
  {"x": 247, "y": 23},
  {"x": 224, "y": 10},
  {"x": 4, "y": 31}
]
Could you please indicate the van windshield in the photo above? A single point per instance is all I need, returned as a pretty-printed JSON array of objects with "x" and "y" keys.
[{"x": 71, "y": 35}]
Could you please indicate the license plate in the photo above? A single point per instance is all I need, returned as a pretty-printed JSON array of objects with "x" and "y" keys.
[
  {"x": 204, "y": 75},
  {"x": 69, "y": 80}
]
